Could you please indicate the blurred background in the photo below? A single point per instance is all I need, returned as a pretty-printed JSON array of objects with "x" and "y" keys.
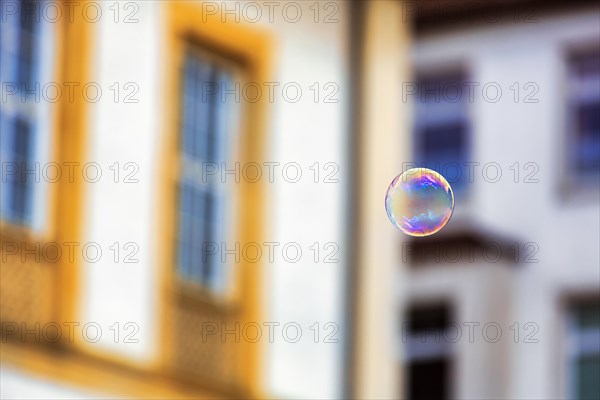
[{"x": 192, "y": 199}]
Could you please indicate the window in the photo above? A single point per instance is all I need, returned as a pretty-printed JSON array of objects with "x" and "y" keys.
[
  {"x": 583, "y": 357},
  {"x": 442, "y": 130},
  {"x": 427, "y": 352},
  {"x": 207, "y": 115},
  {"x": 584, "y": 114},
  {"x": 26, "y": 50}
]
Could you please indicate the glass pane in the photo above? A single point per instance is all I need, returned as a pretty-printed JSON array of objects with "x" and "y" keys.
[
  {"x": 199, "y": 238},
  {"x": 442, "y": 126},
  {"x": 204, "y": 111},
  {"x": 429, "y": 318},
  {"x": 428, "y": 380},
  {"x": 188, "y": 107},
  {"x": 588, "y": 382},
  {"x": 588, "y": 137},
  {"x": 204, "y": 133},
  {"x": 588, "y": 316},
  {"x": 21, "y": 180},
  {"x": 27, "y": 43},
  {"x": 185, "y": 230},
  {"x": 584, "y": 110},
  {"x": 443, "y": 148}
]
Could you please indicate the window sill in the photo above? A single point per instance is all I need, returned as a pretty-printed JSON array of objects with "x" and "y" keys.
[
  {"x": 21, "y": 233},
  {"x": 580, "y": 193},
  {"x": 189, "y": 294}
]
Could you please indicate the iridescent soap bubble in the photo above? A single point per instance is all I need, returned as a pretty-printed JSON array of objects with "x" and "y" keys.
[{"x": 419, "y": 202}]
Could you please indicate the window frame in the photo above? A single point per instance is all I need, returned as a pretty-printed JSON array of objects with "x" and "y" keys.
[
  {"x": 67, "y": 126},
  {"x": 250, "y": 48}
]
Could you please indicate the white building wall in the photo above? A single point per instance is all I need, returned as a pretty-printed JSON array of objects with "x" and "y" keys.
[
  {"x": 306, "y": 212},
  {"x": 18, "y": 384},
  {"x": 123, "y": 132},
  {"x": 565, "y": 228}
]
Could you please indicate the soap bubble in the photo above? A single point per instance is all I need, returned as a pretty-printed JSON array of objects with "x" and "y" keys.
[{"x": 419, "y": 202}]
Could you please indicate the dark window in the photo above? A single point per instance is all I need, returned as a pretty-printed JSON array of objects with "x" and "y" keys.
[
  {"x": 584, "y": 350},
  {"x": 428, "y": 380},
  {"x": 427, "y": 352},
  {"x": 442, "y": 130},
  {"x": 584, "y": 113},
  {"x": 428, "y": 318}
]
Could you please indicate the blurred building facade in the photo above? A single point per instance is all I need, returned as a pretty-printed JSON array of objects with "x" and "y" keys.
[
  {"x": 518, "y": 306},
  {"x": 133, "y": 131},
  {"x": 504, "y": 101},
  {"x": 164, "y": 272}
]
